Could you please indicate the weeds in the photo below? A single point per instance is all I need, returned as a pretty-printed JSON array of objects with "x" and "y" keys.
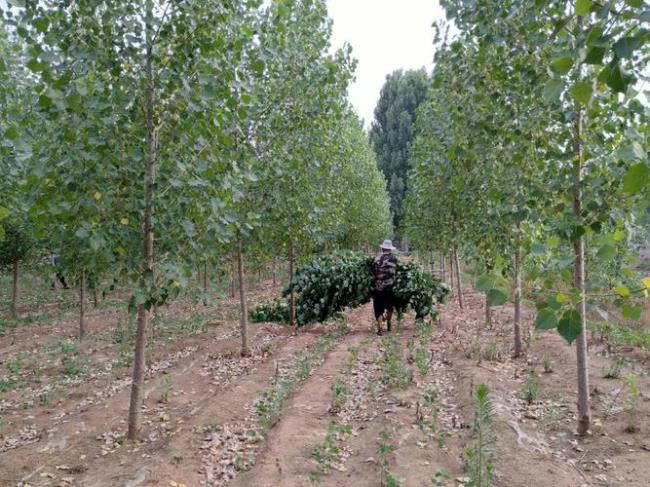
[
  {"x": 474, "y": 349},
  {"x": 548, "y": 363},
  {"x": 327, "y": 453},
  {"x": 75, "y": 367},
  {"x": 441, "y": 477},
  {"x": 530, "y": 387},
  {"x": 385, "y": 449},
  {"x": 618, "y": 334},
  {"x": 267, "y": 348},
  {"x": 422, "y": 360},
  {"x": 272, "y": 400},
  {"x": 631, "y": 405},
  {"x": 478, "y": 455},
  {"x": 395, "y": 372},
  {"x": 340, "y": 391},
  {"x": 166, "y": 386},
  {"x": 491, "y": 352},
  {"x": 442, "y": 438},
  {"x": 614, "y": 369}
]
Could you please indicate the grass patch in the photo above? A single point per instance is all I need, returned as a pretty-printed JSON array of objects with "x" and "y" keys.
[{"x": 622, "y": 335}]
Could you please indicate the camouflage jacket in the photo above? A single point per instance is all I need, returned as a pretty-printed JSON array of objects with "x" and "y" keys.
[{"x": 384, "y": 269}]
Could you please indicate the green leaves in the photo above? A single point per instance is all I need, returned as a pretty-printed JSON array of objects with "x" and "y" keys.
[
  {"x": 553, "y": 89},
  {"x": 546, "y": 320},
  {"x": 496, "y": 297},
  {"x": 613, "y": 76},
  {"x": 570, "y": 326},
  {"x": 625, "y": 47},
  {"x": 595, "y": 55},
  {"x": 581, "y": 92},
  {"x": 607, "y": 252},
  {"x": 631, "y": 312},
  {"x": 495, "y": 288},
  {"x": 582, "y": 7},
  {"x": 636, "y": 178},
  {"x": 562, "y": 65}
]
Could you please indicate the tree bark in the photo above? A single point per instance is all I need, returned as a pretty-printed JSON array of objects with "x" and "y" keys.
[
  {"x": 461, "y": 301},
  {"x": 205, "y": 284},
  {"x": 443, "y": 273},
  {"x": 584, "y": 414},
  {"x": 243, "y": 308},
  {"x": 275, "y": 276},
  {"x": 95, "y": 298},
  {"x": 292, "y": 294},
  {"x": 232, "y": 281},
  {"x": 488, "y": 312},
  {"x": 147, "y": 269},
  {"x": 517, "y": 324},
  {"x": 451, "y": 270},
  {"x": 82, "y": 305},
  {"x": 14, "y": 292}
]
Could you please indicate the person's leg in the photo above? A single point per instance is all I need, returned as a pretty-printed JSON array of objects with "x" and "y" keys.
[
  {"x": 379, "y": 307},
  {"x": 389, "y": 317},
  {"x": 390, "y": 307},
  {"x": 62, "y": 280}
]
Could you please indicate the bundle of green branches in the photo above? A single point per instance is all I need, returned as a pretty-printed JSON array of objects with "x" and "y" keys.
[
  {"x": 329, "y": 284},
  {"x": 418, "y": 290},
  {"x": 271, "y": 310}
]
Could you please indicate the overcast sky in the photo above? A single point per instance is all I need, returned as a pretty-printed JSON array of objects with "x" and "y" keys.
[{"x": 385, "y": 35}]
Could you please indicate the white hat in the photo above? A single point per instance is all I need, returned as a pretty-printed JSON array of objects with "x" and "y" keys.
[{"x": 387, "y": 244}]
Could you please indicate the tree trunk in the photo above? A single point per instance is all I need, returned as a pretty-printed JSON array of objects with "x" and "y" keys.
[
  {"x": 443, "y": 273},
  {"x": 451, "y": 270},
  {"x": 232, "y": 281},
  {"x": 461, "y": 302},
  {"x": 82, "y": 305},
  {"x": 274, "y": 271},
  {"x": 95, "y": 298},
  {"x": 488, "y": 312},
  {"x": 146, "y": 272},
  {"x": 14, "y": 292},
  {"x": 517, "y": 323},
  {"x": 292, "y": 295},
  {"x": 584, "y": 415},
  {"x": 205, "y": 284},
  {"x": 243, "y": 308}
]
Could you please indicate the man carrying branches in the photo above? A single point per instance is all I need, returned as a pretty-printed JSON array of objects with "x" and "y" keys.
[{"x": 384, "y": 269}]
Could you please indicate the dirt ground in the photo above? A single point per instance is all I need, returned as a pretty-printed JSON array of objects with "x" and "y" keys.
[{"x": 320, "y": 408}]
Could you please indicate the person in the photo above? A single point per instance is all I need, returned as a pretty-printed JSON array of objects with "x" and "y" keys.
[
  {"x": 384, "y": 269},
  {"x": 55, "y": 257}
]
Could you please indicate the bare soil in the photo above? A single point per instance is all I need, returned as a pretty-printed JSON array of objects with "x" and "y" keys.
[{"x": 201, "y": 423}]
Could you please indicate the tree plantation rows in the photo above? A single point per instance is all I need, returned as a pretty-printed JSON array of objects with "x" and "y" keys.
[
  {"x": 142, "y": 140},
  {"x": 190, "y": 213},
  {"x": 530, "y": 160}
]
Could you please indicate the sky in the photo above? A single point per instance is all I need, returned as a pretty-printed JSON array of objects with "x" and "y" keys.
[{"x": 385, "y": 35}]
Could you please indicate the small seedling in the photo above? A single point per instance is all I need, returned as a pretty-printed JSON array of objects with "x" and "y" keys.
[
  {"x": 166, "y": 387},
  {"x": 491, "y": 352},
  {"x": 479, "y": 453},
  {"x": 441, "y": 477},
  {"x": 340, "y": 393},
  {"x": 474, "y": 349},
  {"x": 430, "y": 397},
  {"x": 422, "y": 360},
  {"x": 615, "y": 368},
  {"x": 442, "y": 438},
  {"x": 631, "y": 405},
  {"x": 267, "y": 348},
  {"x": 548, "y": 363},
  {"x": 530, "y": 388}
]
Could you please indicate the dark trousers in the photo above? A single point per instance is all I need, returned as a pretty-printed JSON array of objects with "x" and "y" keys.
[{"x": 382, "y": 301}]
